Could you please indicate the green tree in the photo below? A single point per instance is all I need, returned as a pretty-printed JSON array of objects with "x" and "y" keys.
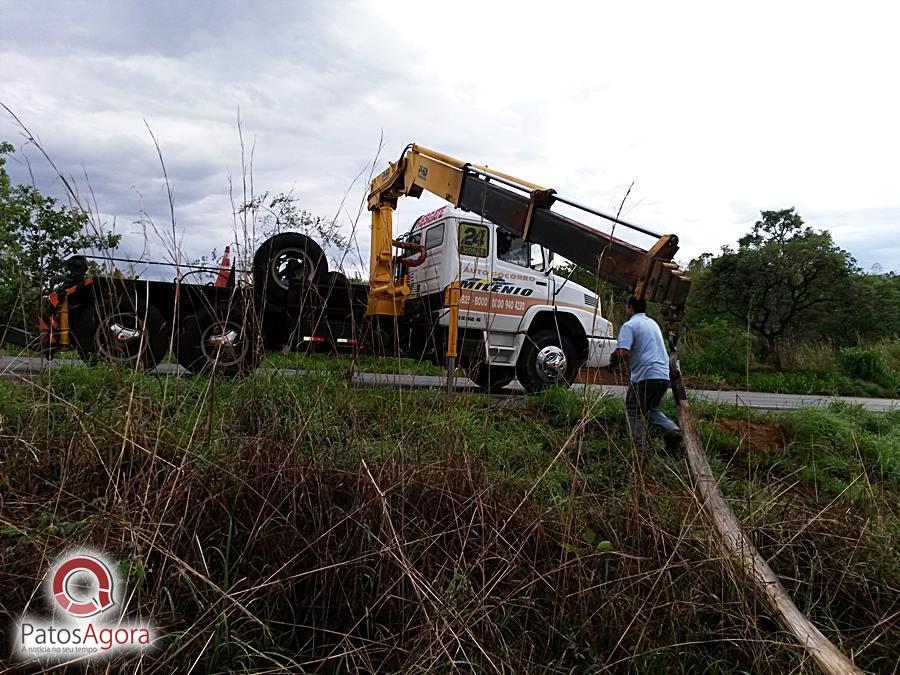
[
  {"x": 871, "y": 311},
  {"x": 781, "y": 275},
  {"x": 36, "y": 236}
]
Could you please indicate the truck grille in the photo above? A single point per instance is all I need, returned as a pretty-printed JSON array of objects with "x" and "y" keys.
[{"x": 591, "y": 301}]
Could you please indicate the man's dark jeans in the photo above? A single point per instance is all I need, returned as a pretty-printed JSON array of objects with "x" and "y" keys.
[{"x": 642, "y": 406}]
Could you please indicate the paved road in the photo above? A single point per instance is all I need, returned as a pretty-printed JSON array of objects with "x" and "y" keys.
[{"x": 17, "y": 367}]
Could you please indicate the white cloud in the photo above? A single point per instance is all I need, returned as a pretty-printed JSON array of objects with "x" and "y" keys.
[{"x": 715, "y": 111}]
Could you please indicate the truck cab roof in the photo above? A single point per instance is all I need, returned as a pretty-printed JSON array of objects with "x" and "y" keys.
[{"x": 442, "y": 213}]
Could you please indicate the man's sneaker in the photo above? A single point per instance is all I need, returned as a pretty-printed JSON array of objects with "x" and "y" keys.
[{"x": 672, "y": 440}]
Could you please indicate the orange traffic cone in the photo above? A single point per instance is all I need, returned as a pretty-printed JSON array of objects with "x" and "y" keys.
[{"x": 224, "y": 269}]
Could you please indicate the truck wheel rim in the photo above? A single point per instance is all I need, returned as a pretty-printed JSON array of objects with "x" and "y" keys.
[
  {"x": 551, "y": 363},
  {"x": 223, "y": 344},
  {"x": 278, "y": 268},
  {"x": 118, "y": 337}
]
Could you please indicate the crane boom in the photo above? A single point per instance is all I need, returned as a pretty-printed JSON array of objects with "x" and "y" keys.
[{"x": 523, "y": 209}]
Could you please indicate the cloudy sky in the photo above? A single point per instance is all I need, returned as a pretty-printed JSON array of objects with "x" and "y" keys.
[{"x": 714, "y": 110}]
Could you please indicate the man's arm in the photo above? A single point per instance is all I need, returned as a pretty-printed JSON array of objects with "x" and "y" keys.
[{"x": 620, "y": 355}]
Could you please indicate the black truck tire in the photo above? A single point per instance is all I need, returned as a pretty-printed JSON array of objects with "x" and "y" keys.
[
  {"x": 547, "y": 358},
  {"x": 491, "y": 378},
  {"x": 337, "y": 285},
  {"x": 271, "y": 261},
  {"x": 337, "y": 279},
  {"x": 225, "y": 344},
  {"x": 126, "y": 331}
]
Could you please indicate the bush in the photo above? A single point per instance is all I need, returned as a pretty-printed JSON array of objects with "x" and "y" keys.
[
  {"x": 818, "y": 428},
  {"x": 716, "y": 348},
  {"x": 866, "y": 363}
]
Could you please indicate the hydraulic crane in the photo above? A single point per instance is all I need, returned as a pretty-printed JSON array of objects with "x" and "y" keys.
[{"x": 523, "y": 209}]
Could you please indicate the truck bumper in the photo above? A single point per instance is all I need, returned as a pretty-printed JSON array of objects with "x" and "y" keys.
[{"x": 599, "y": 352}]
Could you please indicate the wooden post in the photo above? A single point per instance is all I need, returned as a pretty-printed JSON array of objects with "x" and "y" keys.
[{"x": 738, "y": 547}]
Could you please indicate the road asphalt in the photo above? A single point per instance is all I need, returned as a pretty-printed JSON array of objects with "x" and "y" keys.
[{"x": 27, "y": 367}]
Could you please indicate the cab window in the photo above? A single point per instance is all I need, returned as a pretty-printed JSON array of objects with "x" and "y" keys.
[
  {"x": 513, "y": 249},
  {"x": 473, "y": 240},
  {"x": 415, "y": 238},
  {"x": 434, "y": 236}
]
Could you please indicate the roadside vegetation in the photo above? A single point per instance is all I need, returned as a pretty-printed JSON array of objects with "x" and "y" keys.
[
  {"x": 329, "y": 363},
  {"x": 787, "y": 311},
  {"x": 718, "y": 353},
  {"x": 304, "y": 524}
]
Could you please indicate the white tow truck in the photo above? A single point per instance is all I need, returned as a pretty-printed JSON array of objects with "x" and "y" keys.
[{"x": 532, "y": 323}]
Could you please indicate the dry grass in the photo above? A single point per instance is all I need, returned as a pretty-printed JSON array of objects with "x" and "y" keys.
[{"x": 300, "y": 525}]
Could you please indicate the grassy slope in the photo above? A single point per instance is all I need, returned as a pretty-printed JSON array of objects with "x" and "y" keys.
[
  {"x": 716, "y": 352},
  {"x": 280, "y": 521}
]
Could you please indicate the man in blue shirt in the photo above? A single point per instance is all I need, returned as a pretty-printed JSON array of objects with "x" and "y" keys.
[{"x": 641, "y": 345}]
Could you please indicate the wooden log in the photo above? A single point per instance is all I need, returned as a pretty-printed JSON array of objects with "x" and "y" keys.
[{"x": 738, "y": 547}]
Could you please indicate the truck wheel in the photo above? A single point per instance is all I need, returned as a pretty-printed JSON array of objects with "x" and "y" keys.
[
  {"x": 127, "y": 331},
  {"x": 275, "y": 257},
  {"x": 337, "y": 284},
  {"x": 547, "y": 358},
  {"x": 225, "y": 345},
  {"x": 491, "y": 378},
  {"x": 337, "y": 279}
]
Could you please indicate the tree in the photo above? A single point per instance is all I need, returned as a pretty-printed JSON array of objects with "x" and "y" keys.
[
  {"x": 282, "y": 213},
  {"x": 781, "y": 275},
  {"x": 873, "y": 304},
  {"x": 36, "y": 236}
]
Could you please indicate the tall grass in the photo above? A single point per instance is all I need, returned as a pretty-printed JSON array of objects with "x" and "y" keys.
[
  {"x": 300, "y": 524},
  {"x": 718, "y": 351}
]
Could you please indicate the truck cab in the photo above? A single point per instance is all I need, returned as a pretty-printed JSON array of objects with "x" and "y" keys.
[{"x": 516, "y": 318}]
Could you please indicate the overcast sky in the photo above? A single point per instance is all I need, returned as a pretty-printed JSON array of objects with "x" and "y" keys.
[{"x": 715, "y": 110}]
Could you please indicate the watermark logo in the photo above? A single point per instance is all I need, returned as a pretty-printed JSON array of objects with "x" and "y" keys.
[
  {"x": 82, "y": 588},
  {"x": 102, "y": 577}
]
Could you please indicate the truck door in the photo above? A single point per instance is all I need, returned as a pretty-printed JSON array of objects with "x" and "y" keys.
[
  {"x": 519, "y": 280},
  {"x": 473, "y": 249},
  {"x": 498, "y": 277}
]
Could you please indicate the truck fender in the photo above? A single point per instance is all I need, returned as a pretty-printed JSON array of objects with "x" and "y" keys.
[{"x": 540, "y": 317}]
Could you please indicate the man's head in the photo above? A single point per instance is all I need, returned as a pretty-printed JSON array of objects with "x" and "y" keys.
[{"x": 635, "y": 306}]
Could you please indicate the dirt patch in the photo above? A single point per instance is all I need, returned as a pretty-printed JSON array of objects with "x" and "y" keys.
[
  {"x": 757, "y": 437},
  {"x": 600, "y": 376}
]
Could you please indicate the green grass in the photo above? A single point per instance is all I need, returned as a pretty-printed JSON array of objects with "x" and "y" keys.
[
  {"x": 400, "y": 519},
  {"x": 361, "y": 363},
  {"x": 719, "y": 352},
  {"x": 299, "y": 361},
  {"x": 829, "y": 383}
]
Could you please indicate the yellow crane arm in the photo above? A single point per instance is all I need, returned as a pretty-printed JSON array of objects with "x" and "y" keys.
[{"x": 523, "y": 209}]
